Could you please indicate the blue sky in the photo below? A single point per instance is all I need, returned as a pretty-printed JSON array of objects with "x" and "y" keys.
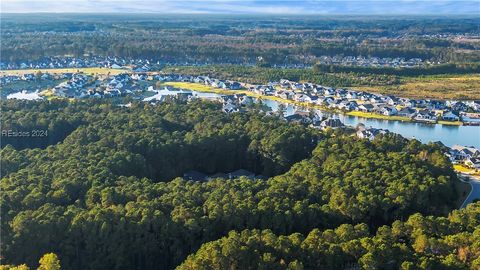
[{"x": 409, "y": 7}]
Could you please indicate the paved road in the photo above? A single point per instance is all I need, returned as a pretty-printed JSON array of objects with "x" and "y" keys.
[{"x": 475, "y": 193}]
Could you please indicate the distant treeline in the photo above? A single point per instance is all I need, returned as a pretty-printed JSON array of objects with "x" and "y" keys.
[{"x": 241, "y": 40}]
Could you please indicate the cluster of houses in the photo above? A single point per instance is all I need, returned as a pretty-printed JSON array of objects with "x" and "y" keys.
[
  {"x": 372, "y": 61},
  {"x": 466, "y": 155},
  {"x": 79, "y": 85},
  {"x": 74, "y": 86},
  {"x": 6, "y": 79},
  {"x": 138, "y": 65},
  {"x": 421, "y": 110}
]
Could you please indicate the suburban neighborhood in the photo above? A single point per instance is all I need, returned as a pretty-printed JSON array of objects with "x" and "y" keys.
[{"x": 141, "y": 84}]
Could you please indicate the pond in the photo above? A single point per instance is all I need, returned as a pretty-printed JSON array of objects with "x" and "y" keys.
[
  {"x": 448, "y": 135},
  {"x": 24, "y": 95}
]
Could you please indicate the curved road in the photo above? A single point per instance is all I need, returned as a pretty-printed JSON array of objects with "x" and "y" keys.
[{"x": 474, "y": 193}]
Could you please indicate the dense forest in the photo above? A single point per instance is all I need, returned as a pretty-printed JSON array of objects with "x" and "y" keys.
[
  {"x": 238, "y": 39},
  {"x": 420, "y": 242},
  {"x": 104, "y": 190}
]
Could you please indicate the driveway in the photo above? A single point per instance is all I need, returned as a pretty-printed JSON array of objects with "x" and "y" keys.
[{"x": 475, "y": 193}]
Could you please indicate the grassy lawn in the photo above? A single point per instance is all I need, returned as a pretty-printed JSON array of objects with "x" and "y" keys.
[
  {"x": 463, "y": 169},
  {"x": 378, "y": 116},
  {"x": 199, "y": 87},
  {"x": 451, "y": 123},
  {"x": 435, "y": 87},
  {"x": 93, "y": 70}
]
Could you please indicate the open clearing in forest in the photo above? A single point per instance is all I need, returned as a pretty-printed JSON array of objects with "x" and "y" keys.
[{"x": 434, "y": 87}]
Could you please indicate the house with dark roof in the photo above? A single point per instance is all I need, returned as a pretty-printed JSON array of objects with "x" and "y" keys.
[
  {"x": 366, "y": 107},
  {"x": 241, "y": 172},
  {"x": 229, "y": 108},
  {"x": 195, "y": 176},
  {"x": 473, "y": 163},
  {"x": 298, "y": 118},
  {"x": 407, "y": 112},
  {"x": 331, "y": 123},
  {"x": 450, "y": 116},
  {"x": 370, "y": 133},
  {"x": 388, "y": 110},
  {"x": 425, "y": 116}
]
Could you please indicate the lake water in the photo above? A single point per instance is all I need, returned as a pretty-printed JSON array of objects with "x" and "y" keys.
[
  {"x": 24, "y": 95},
  {"x": 448, "y": 135}
]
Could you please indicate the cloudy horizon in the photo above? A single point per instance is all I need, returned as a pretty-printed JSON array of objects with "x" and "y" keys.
[{"x": 407, "y": 7}]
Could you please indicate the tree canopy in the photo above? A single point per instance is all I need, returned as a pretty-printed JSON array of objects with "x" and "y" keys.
[{"x": 109, "y": 193}]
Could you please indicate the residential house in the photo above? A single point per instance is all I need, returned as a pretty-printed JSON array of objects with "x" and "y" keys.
[
  {"x": 229, "y": 108},
  {"x": 466, "y": 151},
  {"x": 388, "y": 111},
  {"x": 234, "y": 86},
  {"x": 285, "y": 94},
  {"x": 302, "y": 98},
  {"x": 473, "y": 163},
  {"x": 436, "y": 105},
  {"x": 331, "y": 123},
  {"x": 407, "y": 112},
  {"x": 348, "y": 105},
  {"x": 195, "y": 176},
  {"x": 474, "y": 104},
  {"x": 366, "y": 107},
  {"x": 340, "y": 93},
  {"x": 184, "y": 96},
  {"x": 456, "y": 155},
  {"x": 426, "y": 116},
  {"x": 370, "y": 133},
  {"x": 376, "y": 100},
  {"x": 329, "y": 92},
  {"x": 459, "y": 107},
  {"x": 450, "y": 116},
  {"x": 421, "y": 103},
  {"x": 241, "y": 173},
  {"x": 298, "y": 118},
  {"x": 245, "y": 100},
  {"x": 351, "y": 95},
  {"x": 392, "y": 101}
]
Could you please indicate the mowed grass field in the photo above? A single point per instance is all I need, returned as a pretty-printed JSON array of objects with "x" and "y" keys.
[
  {"x": 378, "y": 116},
  {"x": 196, "y": 87},
  {"x": 93, "y": 70},
  {"x": 433, "y": 87}
]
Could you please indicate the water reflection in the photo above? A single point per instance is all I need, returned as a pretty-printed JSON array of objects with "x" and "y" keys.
[{"x": 447, "y": 134}]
